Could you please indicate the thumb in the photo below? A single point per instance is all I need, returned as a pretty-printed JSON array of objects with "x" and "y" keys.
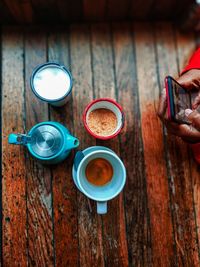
[
  {"x": 185, "y": 81},
  {"x": 193, "y": 117},
  {"x": 190, "y": 79}
]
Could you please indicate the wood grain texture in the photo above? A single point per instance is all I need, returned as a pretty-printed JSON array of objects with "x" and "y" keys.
[
  {"x": 114, "y": 234},
  {"x": 154, "y": 154},
  {"x": 39, "y": 189},
  {"x": 195, "y": 170},
  {"x": 64, "y": 191},
  {"x": 136, "y": 205},
  {"x": 89, "y": 223},
  {"x": 13, "y": 168},
  {"x": 180, "y": 182}
]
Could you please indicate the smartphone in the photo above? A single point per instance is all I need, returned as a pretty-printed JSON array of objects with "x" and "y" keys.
[{"x": 178, "y": 99}]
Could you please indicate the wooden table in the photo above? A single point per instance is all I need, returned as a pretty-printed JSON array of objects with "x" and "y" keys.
[{"x": 46, "y": 221}]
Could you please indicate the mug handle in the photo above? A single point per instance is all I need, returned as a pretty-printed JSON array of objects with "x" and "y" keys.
[
  {"x": 101, "y": 207},
  {"x": 78, "y": 157}
]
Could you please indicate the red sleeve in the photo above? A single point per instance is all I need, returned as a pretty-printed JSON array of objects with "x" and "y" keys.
[{"x": 194, "y": 62}]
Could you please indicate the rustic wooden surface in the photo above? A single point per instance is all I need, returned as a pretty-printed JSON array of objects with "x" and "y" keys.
[
  {"x": 46, "y": 221},
  {"x": 58, "y": 11}
]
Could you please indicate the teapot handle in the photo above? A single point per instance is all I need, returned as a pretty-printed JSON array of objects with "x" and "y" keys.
[
  {"x": 18, "y": 139},
  {"x": 72, "y": 142}
]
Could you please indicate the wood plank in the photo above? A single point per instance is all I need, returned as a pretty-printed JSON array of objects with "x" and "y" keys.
[
  {"x": 181, "y": 192},
  {"x": 13, "y": 167},
  {"x": 64, "y": 192},
  {"x": 136, "y": 204},
  {"x": 195, "y": 169},
  {"x": 154, "y": 154},
  {"x": 114, "y": 235},
  {"x": 39, "y": 187},
  {"x": 89, "y": 223},
  {"x": 94, "y": 10}
]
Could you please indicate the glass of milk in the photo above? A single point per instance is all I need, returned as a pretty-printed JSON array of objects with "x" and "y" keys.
[{"x": 52, "y": 83}]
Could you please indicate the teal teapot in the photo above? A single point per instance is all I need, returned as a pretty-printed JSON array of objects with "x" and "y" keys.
[{"x": 50, "y": 142}]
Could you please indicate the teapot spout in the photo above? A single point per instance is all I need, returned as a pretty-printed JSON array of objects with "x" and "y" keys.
[
  {"x": 18, "y": 139},
  {"x": 72, "y": 142}
]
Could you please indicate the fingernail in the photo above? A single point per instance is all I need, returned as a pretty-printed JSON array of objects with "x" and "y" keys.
[{"x": 188, "y": 112}]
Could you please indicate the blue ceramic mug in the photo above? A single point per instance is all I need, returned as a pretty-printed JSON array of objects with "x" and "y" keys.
[
  {"x": 101, "y": 194},
  {"x": 50, "y": 142}
]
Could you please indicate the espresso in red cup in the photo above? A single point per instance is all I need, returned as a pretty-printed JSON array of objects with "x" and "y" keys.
[{"x": 103, "y": 118}]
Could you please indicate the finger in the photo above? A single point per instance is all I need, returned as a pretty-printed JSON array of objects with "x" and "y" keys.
[
  {"x": 190, "y": 80},
  {"x": 162, "y": 105},
  {"x": 193, "y": 117},
  {"x": 185, "y": 81},
  {"x": 196, "y": 102},
  {"x": 189, "y": 132},
  {"x": 174, "y": 128},
  {"x": 186, "y": 132}
]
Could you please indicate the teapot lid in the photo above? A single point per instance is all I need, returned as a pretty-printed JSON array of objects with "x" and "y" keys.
[{"x": 46, "y": 141}]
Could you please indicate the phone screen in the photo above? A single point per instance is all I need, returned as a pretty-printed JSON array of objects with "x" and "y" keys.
[{"x": 181, "y": 100}]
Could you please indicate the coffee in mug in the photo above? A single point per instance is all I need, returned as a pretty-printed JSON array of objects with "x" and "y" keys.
[{"x": 99, "y": 172}]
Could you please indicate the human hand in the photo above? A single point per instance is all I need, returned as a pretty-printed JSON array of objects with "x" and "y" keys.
[
  {"x": 191, "y": 81},
  {"x": 189, "y": 133}
]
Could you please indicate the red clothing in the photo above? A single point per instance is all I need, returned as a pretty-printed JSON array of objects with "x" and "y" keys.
[{"x": 194, "y": 63}]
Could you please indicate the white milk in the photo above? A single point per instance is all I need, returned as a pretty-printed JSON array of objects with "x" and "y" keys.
[{"x": 51, "y": 82}]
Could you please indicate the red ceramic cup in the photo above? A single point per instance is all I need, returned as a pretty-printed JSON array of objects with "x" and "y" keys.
[{"x": 106, "y": 103}]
